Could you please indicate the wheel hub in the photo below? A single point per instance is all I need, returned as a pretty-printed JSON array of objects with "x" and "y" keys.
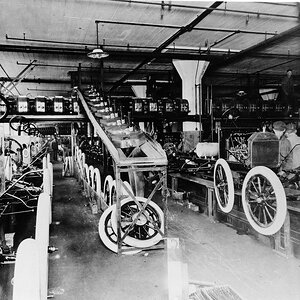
[
  {"x": 142, "y": 219},
  {"x": 259, "y": 200}
]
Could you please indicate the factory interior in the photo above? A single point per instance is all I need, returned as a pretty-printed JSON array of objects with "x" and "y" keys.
[{"x": 149, "y": 150}]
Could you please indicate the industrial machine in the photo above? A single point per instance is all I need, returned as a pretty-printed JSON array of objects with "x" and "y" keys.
[
  {"x": 247, "y": 168},
  {"x": 114, "y": 158}
]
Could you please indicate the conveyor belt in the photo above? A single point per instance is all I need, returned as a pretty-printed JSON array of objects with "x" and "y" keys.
[{"x": 155, "y": 155}]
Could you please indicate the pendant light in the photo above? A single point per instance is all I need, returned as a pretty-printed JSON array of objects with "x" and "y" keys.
[{"x": 97, "y": 53}]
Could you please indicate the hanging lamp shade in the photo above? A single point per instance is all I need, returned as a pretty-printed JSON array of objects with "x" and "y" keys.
[{"x": 97, "y": 54}]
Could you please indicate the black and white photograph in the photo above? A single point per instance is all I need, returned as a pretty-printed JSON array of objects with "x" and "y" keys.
[{"x": 149, "y": 150}]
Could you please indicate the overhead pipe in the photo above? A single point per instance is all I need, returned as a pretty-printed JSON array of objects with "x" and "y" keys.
[
  {"x": 73, "y": 43},
  {"x": 248, "y": 52},
  {"x": 171, "y": 39},
  {"x": 128, "y": 46},
  {"x": 110, "y": 69},
  {"x": 281, "y": 4},
  {"x": 178, "y": 27},
  {"x": 118, "y": 54},
  {"x": 113, "y": 53},
  {"x": 17, "y": 48},
  {"x": 258, "y": 14}
]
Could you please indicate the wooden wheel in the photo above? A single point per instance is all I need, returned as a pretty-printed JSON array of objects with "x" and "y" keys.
[
  {"x": 264, "y": 200},
  {"x": 107, "y": 234},
  {"x": 224, "y": 187},
  {"x": 145, "y": 232}
]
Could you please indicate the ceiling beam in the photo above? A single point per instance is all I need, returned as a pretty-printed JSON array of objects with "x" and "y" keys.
[
  {"x": 107, "y": 69},
  {"x": 129, "y": 50},
  {"x": 170, "y": 40},
  {"x": 252, "y": 51}
]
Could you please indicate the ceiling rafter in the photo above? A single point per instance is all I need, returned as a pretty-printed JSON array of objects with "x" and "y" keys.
[
  {"x": 253, "y": 51},
  {"x": 171, "y": 39}
]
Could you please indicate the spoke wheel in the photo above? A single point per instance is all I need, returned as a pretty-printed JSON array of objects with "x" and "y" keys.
[
  {"x": 107, "y": 234},
  {"x": 224, "y": 187},
  {"x": 144, "y": 233},
  {"x": 264, "y": 200},
  {"x": 106, "y": 189}
]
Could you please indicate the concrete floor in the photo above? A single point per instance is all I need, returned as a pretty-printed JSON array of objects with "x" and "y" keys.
[{"x": 84, "y": 269}]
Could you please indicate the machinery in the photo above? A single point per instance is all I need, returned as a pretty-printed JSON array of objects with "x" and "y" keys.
[
  {"x": 115, "y": 160},
  {"x": 248, "y": 169},
  {"x": 21, "y": 179}
]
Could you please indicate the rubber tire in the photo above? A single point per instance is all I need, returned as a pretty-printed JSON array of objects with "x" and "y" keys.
[
  {"x": 90, "y": 176},
  {"x": 76, "y": 152},
  {"x": 79, "y": 156},
  {"x": 229, "y": 179},
  {"x": 97, "y": 180},
  {"x": 128, "y": 186},
  {"x": 83, "y": 159},
  {"x": 279, "y": 193},
  {"x": 137, "y": 242},
  {"x": 114, "y": 191},
  {"x": 86, "y": 172}
]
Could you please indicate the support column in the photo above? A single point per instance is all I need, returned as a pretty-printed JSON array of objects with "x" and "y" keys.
[
  {"x": 140, "y": 91},
  {"x": 191, "y": 73}
]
